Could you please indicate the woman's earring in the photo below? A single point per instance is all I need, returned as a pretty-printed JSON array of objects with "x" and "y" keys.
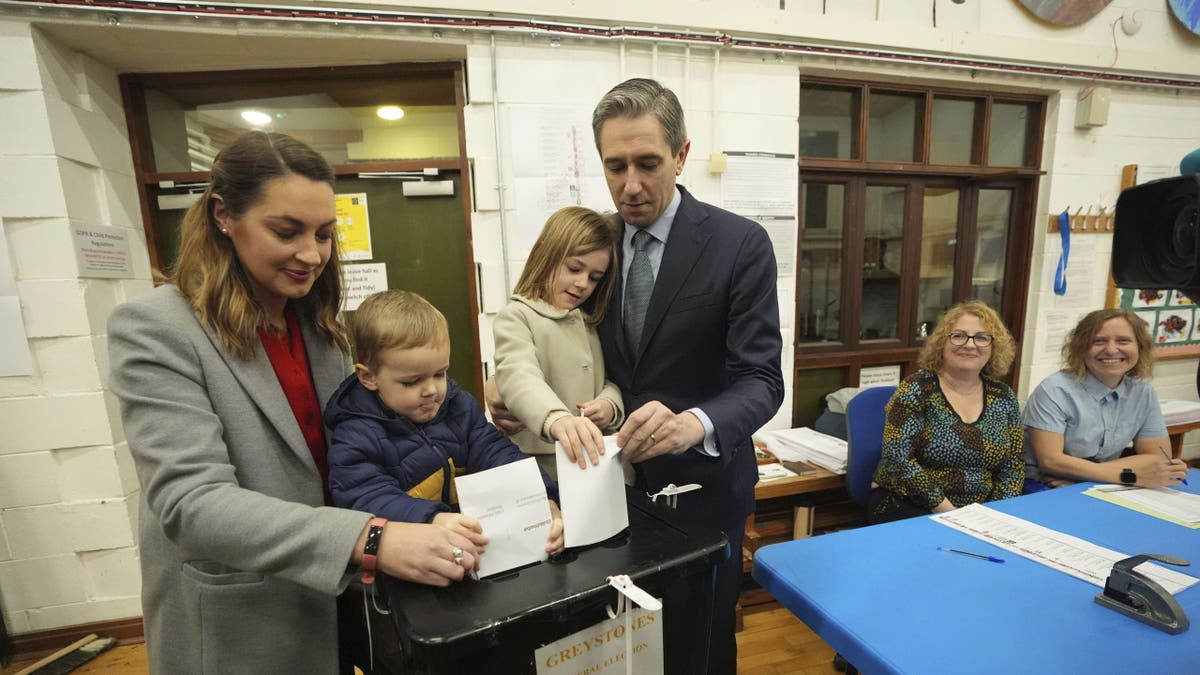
[{"x": 225, "y": 231}]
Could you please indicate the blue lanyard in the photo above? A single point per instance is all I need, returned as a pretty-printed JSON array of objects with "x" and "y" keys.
[{"x": 1060, "y": 274}]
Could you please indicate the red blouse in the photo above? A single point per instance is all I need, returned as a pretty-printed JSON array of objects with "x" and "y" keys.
[{"x": 290, "y": 361}]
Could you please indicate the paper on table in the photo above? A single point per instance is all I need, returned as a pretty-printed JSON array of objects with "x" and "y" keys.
[
  {"x": 1181, "y": 508},
  {"x": 773, "y": 471},
  {"x": 510, "y": 502},
  {"x": 1072, "y": 555},
  {"x": 592, "y": 500}
]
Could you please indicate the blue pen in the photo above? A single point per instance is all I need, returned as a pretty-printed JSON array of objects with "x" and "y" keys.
[
  {"x": 1170, "y": 461},
  {"x": 989, "y": 558}
]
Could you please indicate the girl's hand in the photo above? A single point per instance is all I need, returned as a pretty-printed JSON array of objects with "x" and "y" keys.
[
  {"x": 577, "y": 436},
  {"x": 465, "y": 526},
  {"x": 599, "y": 410},
  {"x": 556, "y": 529}
]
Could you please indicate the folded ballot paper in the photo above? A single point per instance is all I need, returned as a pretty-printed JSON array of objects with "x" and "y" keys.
[
  {"x": 592, "y": 499},
  {"x": 510, "y": 503},
  {"x": 806, "y": 445}
]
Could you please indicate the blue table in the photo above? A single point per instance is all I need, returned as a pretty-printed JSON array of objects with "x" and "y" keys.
[{"x": 890, "y": 602}]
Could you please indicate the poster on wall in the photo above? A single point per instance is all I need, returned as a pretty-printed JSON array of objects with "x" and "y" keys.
[
  {"x": 362, "y": 280},
  {"x": 1171, "y": 317},
  {"x": 1188, "y": 13},
  {"x": 353, "y": 227},
  {"x": 762, "y": 186}
]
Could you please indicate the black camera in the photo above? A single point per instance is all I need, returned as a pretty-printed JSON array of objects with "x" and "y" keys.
[{"x": 1156, "y": 239}]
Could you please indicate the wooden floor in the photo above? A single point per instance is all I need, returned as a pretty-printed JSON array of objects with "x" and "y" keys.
[{"x": 773, "y": 642}]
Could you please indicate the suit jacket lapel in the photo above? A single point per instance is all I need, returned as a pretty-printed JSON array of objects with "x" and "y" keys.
[
  {"x": 680, "y": 254},
  {"x": 258, "y": 378}
]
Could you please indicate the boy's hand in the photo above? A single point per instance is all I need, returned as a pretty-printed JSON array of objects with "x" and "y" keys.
[
  {"x": 577, "y": 436},
  {"x": 556, "y": 529},
  {"x": 463, "y": 525},
  {"x": 599, "y": 410}
]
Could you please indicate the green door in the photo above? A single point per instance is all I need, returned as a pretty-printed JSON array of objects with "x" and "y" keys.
[{"x": 423, "y": 241}]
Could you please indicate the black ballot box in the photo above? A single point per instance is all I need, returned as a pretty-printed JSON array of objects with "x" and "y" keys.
[{"x": 494, "y": 625}]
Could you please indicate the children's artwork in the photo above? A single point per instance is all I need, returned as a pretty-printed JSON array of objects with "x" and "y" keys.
[
  {"x": 1174, "y": 325},
  {"x": 1145, "y": 297},
  {"x": 1170, "y": 316},
  {"x": 1188, "y": 13}
]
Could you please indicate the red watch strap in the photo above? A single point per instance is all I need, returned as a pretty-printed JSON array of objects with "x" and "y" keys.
[{"x": 370, "y": 554}]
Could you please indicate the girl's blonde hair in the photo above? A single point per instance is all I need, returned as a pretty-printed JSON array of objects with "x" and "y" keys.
[
  {"x": 571, "y": 231},
  {"x": 1079, "y": 341},
  {"x": 208, "y": 271},
  {"x": 1004, "y": 349}
]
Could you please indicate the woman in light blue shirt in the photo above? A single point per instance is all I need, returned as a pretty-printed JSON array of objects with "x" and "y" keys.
[{"x": 1080, "y": 421}]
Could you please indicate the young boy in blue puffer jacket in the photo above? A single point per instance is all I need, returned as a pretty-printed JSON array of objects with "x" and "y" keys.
[{"x": 402, "y": 429}]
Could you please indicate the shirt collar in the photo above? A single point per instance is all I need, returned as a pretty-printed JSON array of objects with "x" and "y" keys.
[
  {"x": 660, "y": 229},
  {"x": 1099, "y": 391}
]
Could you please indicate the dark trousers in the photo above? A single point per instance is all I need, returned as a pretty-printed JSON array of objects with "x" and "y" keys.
[
  {"x": 722, "y": 648},
  {"x": 884, "y": 506}
]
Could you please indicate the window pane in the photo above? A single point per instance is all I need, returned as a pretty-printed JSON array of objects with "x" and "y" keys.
[
  {"x": 191, "y": 123},
  {"x": 939, "y": 229},
  {"x": 821, "y": 263},
  {"x": 882, "y": 243},
  {"x": 809, "y": 392},
  {"x": 827, "y": 121},
  {"x": 953, "y": 131},
  {"x": 893, "y": 132},
  {"x": 1008, "y": 143},
  {"x": 991, "y": 237}
]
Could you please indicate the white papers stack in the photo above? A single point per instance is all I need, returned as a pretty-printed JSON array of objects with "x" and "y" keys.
[
  {"x": 807, "y": 445},
  {"x": 773, "y": 471},
  {"x": 1180, "y": 412},
  {"x": 1175, "y": 505}
]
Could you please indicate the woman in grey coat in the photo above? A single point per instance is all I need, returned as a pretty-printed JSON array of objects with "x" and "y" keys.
[{"x": 218, "y": 374}]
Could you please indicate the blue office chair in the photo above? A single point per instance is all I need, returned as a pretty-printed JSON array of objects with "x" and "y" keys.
[{"x": 864, "y": 439}]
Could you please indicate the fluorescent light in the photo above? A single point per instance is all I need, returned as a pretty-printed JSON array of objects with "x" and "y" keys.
[
  {"x": 390, "y": 112},
  {"x": 256, "y": 117}
]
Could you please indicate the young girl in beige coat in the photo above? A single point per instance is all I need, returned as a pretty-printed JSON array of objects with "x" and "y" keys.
[{"x": 549, "y": 366}]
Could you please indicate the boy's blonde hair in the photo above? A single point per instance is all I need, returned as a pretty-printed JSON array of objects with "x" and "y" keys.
[
  {"x": 571, "y": 231},
  {"x": 396, "y": 319}
]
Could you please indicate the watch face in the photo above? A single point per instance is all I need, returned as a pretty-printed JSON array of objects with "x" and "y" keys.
[{"x": 1128, "y": 476}]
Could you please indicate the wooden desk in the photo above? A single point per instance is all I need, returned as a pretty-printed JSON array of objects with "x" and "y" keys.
[
  {"x": 1175, "y": 432},
  {"x": 801, "y": 525}
]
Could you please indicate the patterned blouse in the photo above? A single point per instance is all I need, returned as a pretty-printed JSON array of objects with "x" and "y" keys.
[{"x": 930, "y": 453}]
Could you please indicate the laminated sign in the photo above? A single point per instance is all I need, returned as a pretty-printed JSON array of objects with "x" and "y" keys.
[{"x": 631, "y": 637}]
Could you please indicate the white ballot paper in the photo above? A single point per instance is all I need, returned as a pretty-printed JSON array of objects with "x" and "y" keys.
[
  {"x": 510, "y": 503},
  {"x": 592, "y": 500}
]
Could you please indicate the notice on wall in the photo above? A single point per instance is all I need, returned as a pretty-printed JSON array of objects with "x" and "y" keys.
[
  {"x": 102, "y": 252},
  {"x": 361, "y": 281},
  {"x": 14, "y": 347},
  {"x": 879, "y": 376},
  {"x": 782, "y": 232},
  {"x": 762, "y": 186},
  {"x": 353, "y": 227}
]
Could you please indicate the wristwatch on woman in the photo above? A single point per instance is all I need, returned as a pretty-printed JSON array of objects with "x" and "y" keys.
[
  {"x": 370, "y": 554},
  {"x": 1128, "y": 477}
]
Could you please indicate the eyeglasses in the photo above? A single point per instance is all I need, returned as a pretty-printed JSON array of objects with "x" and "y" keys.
[{"x": 960, "y": 339}]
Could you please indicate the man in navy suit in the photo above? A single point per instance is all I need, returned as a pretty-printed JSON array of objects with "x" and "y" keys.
[{"x": 705, "y": 370}]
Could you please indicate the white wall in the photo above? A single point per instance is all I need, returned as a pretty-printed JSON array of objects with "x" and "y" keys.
[{"x": 67, "y": 491}]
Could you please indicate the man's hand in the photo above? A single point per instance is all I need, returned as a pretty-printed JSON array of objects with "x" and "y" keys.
[
  {"x": 503, "y": 419},
  {"x": 654, "y": 430}
]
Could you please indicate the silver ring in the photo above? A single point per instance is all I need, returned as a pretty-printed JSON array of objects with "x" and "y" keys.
[{"x": 458, "y": 555}]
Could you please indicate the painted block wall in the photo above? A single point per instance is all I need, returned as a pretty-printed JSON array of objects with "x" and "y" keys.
[
  {"x": 68, "y": 493},
  {"x": 64, "y": 159}
]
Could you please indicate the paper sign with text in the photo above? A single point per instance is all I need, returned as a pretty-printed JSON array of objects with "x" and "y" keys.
[{"x": 602, "y": 648}]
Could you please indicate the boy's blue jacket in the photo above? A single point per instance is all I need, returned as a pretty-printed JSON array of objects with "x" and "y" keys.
[{"x": 384, "y": 464}]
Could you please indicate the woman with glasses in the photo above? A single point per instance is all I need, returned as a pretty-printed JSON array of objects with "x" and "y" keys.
[
  {"x": 953, "y": 433},
  {"x": 1081, "y": 421}
]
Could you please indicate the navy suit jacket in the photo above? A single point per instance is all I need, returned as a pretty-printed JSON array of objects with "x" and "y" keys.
[{"x": 710, "y": 340}]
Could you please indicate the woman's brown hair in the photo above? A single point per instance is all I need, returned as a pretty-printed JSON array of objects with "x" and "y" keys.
[
  {"x": 570, "y": 231},
  {"x": 1079, "y": 341},
  {"x": 208, "y": 272}
]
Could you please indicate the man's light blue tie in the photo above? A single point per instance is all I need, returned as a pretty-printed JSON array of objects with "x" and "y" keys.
[{"x": 638, "y": 287}]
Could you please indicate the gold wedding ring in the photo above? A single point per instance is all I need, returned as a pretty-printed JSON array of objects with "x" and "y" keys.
[
  {"x": 652, "y": 441},
  {"x": 458, "y": 556}
]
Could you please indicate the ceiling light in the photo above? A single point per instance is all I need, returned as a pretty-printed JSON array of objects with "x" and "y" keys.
[
  {"x": 390, "y": 112},
  {"x": 256, "y": 117}
]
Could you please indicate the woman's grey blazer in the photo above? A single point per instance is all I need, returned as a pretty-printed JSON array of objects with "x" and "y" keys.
[{"x": 241, "y": 560}]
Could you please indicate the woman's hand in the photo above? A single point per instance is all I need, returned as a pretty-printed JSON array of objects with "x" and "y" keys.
[
  {"x": 577, "y": 436},
  {"x": 425, "y": 553},
  {"x": 1155, "y": 470},
  {"x": 599, "y": 410},
  {"x": 556, "y": 529},
  {"x": 463, "y": 525}
]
